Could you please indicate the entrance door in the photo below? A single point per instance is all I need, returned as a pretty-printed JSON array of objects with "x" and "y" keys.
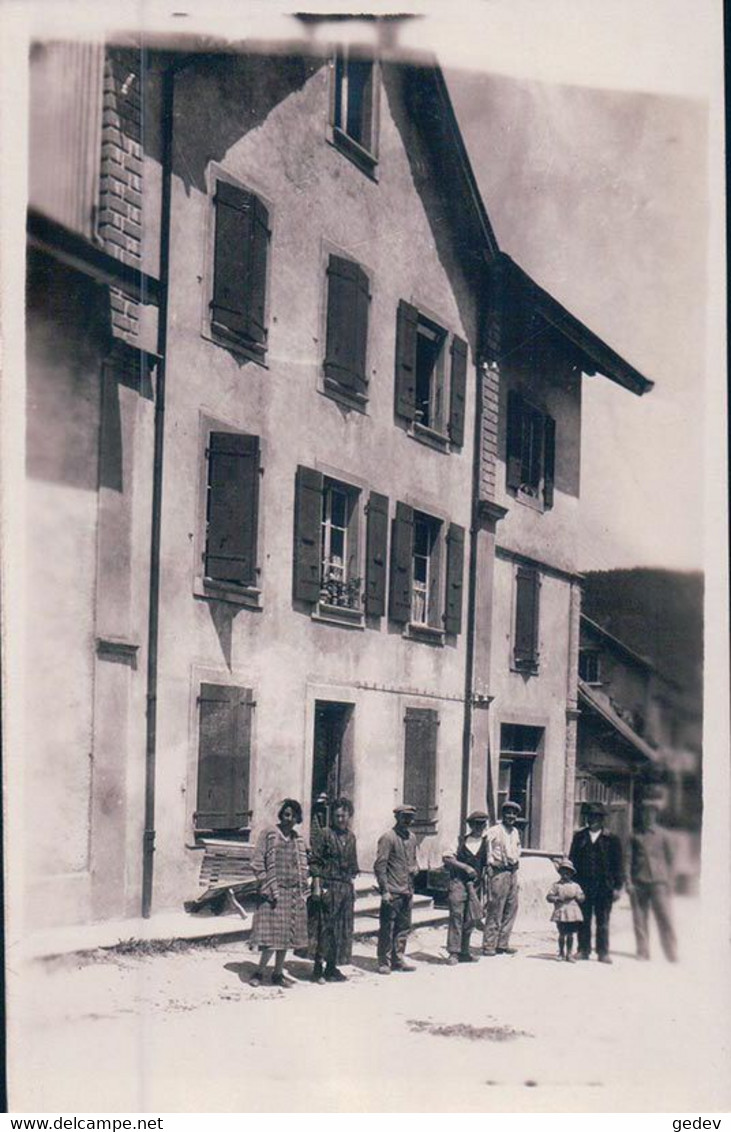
[{"x": 332, "y": 758}]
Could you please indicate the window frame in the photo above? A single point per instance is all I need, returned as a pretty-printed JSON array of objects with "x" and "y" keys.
[
  {"x": 529, "y": 821},
  {"x": 528, "y": 665},
  {"x": 444, "y": 431},
  {"x": 203, "y": 587},
  {"x": 210, "y": 330},
  {"x": 327, "y": 385},
  {"x": 196, "y": 838},
  {"x": 521, "y": 409},
  {"x": 363, "y": 156},
  {"x": 352, "y": 543},
  {"x": 595, "y": 655}
]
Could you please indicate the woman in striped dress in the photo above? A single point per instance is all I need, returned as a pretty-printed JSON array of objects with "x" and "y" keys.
[{"x": 280, "y": 866}]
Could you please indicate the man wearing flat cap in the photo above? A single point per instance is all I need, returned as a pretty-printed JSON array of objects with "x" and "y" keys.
[
  {"x": 597, "y": 857},
  {"x": 395, "y": 868},
  {"x": 651, "y": 882},
  {"x": 466, "y": 868},
  {"x": 503, "y": 858}
]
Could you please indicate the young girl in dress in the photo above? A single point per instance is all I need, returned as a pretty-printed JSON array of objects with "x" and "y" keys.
[{"x": 566, "y": 896}]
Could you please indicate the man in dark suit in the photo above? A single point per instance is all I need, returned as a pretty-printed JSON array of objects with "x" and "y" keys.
[{"x": 597, "y": 858}]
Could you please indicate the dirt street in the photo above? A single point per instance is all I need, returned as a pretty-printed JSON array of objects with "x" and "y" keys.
[{"x": 183, "y": 1031}]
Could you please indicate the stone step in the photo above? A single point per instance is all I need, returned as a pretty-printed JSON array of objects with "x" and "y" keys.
[{"x": 423, "y": 916}]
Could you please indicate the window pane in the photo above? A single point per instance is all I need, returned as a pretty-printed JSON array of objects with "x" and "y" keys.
[
  {"x": 339, "y": 508},
  {"x": 358, "y": 101}
]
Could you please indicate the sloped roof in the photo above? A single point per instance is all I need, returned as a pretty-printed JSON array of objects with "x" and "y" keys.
[
  {"x": 615, "y": 642},
  {"x": 588, "y": 696}
]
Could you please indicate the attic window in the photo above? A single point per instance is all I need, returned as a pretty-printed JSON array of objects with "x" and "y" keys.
[{"x": 355, "y": 108}]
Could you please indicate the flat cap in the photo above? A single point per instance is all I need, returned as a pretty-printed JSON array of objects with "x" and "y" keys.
[
  {"x": 510, "y": 806},
  {"x": 478, "y": 815},
  {"x": 404, "y": 809}
]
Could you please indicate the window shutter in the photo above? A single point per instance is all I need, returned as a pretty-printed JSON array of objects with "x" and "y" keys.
[
  {"x": 420, "y": 761},
  {"x": 402, "y": 548},
  {"x": 406, "y": 323},
  {"x": 549, "y": 460},
  {"x": 224, "y": 757},
  {"x": 376, "y": 545},
  {"x": 307, "y": 535},
  {"x": 240, "y": 260},
  {"x": 233, "y": 505},
  {"x": 514, "y": 442},
  {"x": 348, "y": 299},
  {"x": 526, "y": 616},
  {"x": 457, "y": 391},
  {"x": 455, "y": 574}
]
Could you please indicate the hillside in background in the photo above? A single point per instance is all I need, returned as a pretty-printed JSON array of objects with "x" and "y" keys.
[{"x": 658, "y": 613}]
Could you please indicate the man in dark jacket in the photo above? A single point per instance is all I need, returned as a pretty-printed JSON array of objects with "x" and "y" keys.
[{"x": 597, "y": 858}]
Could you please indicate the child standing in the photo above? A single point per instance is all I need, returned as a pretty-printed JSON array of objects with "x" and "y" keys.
[{"x": 566, "y": 896}]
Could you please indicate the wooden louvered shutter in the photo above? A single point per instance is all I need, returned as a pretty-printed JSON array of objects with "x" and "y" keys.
[
  {"x": 455, "y": 575},
  {"x": 348, "y": 299},
  {"x": 376, "y": 547},
  {"x": 420, "y": 761},
  {"x": 526, "y": 616},
  {"x": 457, "y": 391},
  {"x": 514, "y": 441},
  {"x": 224, "y": 757},
  {"x": 402, "y": 548},
  {"x": 549, "y": 460},
  {"x": 240, "y": 263},
  {"x": 307, "y": 535},
  {"x": 233, "y": 508},
  {"x": 406, "y": 323}
]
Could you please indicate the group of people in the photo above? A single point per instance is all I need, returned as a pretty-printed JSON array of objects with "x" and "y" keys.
[{"x": 306, "y": 898}]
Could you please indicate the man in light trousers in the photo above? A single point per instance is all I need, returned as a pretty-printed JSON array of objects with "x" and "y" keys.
[{"x": 503, "y": 858}]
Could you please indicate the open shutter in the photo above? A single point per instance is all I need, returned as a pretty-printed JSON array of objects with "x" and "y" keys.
[
  {"x": 307, "y": 534},
  {"x": 514, "y": 441},
  {"x": 457, "y": 391},
  {"x": 376, "y": 545},
  {"x": 455, "y": 574},
  {"x": 420, "y": 761},
  {"x": 233, "y": 505},
  {"x": 348, "y": 299},
  {"x": 240, "y": 260},
  {"x": 402, "y": 549},
  {"x": 549, "y": 460},
  {"x": 526, "y": 616},
  {"x": 224, "y": 757},
  {"x": 406, "y": 323}
]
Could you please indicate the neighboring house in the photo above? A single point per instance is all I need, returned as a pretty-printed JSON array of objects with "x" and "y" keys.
[{"x": 264, "y": 529}]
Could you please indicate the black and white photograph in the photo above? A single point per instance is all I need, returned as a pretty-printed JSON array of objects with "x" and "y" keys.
[{"x": 364, "y": 558}]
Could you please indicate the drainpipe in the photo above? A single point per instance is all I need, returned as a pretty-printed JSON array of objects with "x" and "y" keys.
[{"x": 148, "y": 838}]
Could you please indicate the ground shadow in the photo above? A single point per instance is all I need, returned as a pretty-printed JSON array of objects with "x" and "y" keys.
[
  {"x": 364, "y": 963},
  {"x": 425, "y": 957}
]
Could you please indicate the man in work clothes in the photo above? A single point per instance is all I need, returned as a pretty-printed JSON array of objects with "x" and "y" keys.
[
  {"x": 503, "y": 858},
  {"x": 651, "y": 877},
  {"x": 597, "y": 858},
  {"x": 395, "y": 868}
]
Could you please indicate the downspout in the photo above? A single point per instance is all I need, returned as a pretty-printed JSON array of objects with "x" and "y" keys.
[{"x": 148, "y": 839}]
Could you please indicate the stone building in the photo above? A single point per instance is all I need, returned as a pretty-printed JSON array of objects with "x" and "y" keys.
[{"x": 303, "y": 467}]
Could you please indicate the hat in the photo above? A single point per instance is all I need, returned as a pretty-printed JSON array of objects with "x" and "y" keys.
[
  {"x": 510, "y": 806},
  {"x": 478, "y": 815},
  {"x": 596, "y": 808},
  {"x": 651, "y": 803},
  {"x": 564, "y": 863},
  {"x": 405, "y": 809}
]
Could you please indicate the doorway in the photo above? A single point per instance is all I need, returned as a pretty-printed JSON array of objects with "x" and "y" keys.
[{"x": 332, "y": 758}]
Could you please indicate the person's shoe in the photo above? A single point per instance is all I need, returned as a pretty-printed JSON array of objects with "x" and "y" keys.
[
  {"x": 403, "y": 967},
  {"x": 570, "y": 958},
  {"x": 583, "y": 955},
  {"x": 384, "y": 969},
  {"x": 488, "y": 952},
  {"x": 507, "y": 951},
  {"x": 605, "y": 959},
  {"x": 318, "y": 975},
  {"x": 453, "y": 960},
  {"x": 281, "y": 980},
  {"x": 643, "y": 958},
  {"x": 466, "y": 959},
  {"x": 255, "y": 980},
  {"x": 335, "y": 976}
]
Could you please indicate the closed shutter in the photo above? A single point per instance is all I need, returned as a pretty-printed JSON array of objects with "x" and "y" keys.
[
  {"x": 406, "y": 323},
  {"x": 526, "y": 616},
  {"x": 233, "y": 506},
  {"x": 240, "y": 263},
  {"x": 348, "y": 299},
  {"x": 549, "y": 460},
  {"x": 457, "y": 392},
  {"x": 455, "y": 575},
  {"x": 224, "y": 757},
  {"x": 376, "y": 547},
  {"x": 514, "y": 440},
  {"x": 420, "y": 762},
  {"x": 402, "y": 547},
  {"x": 307, "y": 535}
]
